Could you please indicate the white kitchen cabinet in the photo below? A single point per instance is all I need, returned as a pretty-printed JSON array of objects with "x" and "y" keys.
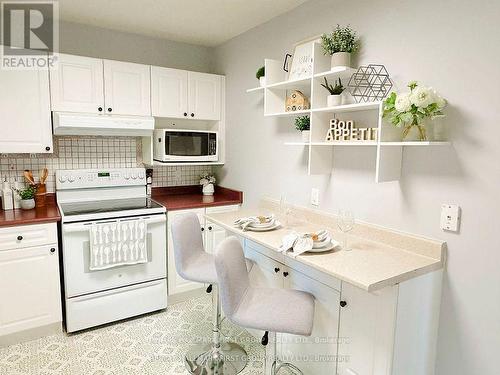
[
  {"x": 212, "y": 235},
  {"x": 30, "y": 293},
  {"x": 169, "y": 92},
  {"x": 204, "y": 95},
  {"x": 127, "y": 88},
  {"x": 366, "y": 331},
  {"x": 76, "y": 84},
  {"x": 25, "y": 111},
  {"x": 89, "y": 85},
  {"x": 316, "y": 354},
  {"x": 182, "y": 94}
]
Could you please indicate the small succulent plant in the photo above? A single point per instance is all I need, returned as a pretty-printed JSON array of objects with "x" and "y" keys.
[
  {"x": 302, "y": 123},
  {"x": 334, "y": 90},
  {"x": 261, "y": 72},
  {"x": 27, "y": 193}
]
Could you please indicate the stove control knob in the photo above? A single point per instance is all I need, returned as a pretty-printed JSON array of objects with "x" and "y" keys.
[
  {"x": 134, "y": 176},
  {"x": 62, "y": 178},
  {"x": 126, "y": 176},
  {"x": 71, "y": 178},
  {"x": 141, "y": 175}
]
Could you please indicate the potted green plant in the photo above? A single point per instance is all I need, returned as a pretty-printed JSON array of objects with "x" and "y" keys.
[
  {"x": 414, "y": 111},
  {"x": 208, "y": 180},
  {"x": 261, "y": 76},
  {"x": 303, "y": 124},
  {"x": 335, "y": 97},
  {"x": 340, "y": 43},
  {"x": 27, "y": 196}
]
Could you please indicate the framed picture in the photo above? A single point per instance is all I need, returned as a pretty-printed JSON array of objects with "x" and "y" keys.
[{"x": 302, "y": 60}]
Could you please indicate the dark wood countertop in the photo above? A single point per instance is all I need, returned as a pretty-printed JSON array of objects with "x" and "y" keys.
[
  {"x": 38, "y": 215},
  {"x": 187, "y": 197}
]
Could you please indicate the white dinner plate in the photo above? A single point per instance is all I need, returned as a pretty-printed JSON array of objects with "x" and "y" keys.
[
  {"x": 333, "y": 244},
  {"x": 262, "y": 225},
  {"x": 276, "y": 225}
]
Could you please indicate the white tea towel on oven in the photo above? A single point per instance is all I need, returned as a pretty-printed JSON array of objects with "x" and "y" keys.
[{"x": 117, "y": 244}]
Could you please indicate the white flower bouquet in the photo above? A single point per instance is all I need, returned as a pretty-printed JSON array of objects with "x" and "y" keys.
[
  {"x": 207, "y": 178},
  {"x": 409, "y": 109}
]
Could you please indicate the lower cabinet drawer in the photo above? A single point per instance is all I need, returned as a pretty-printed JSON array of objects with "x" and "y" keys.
[
  {"x": 27, "y": 236},
  {"x": 112, "y": 305}
]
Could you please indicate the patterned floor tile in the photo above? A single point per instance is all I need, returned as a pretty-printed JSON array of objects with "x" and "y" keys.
[{"x": 152, "y": 344}]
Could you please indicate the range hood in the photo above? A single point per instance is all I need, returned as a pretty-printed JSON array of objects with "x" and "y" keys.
[{"x": 67, "y": 123}]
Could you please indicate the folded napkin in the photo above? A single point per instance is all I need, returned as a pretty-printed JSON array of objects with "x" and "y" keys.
[
  {"x": 244, "y": 222},
  {"x": 300, "y": 243}
]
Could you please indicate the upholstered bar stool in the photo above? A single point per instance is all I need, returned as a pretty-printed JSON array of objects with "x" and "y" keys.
[
  {"x": 267, "y": 309},
  {"x": 193, "y": 263}
]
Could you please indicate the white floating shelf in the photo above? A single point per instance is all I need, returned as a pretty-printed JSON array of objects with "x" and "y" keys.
[
  {"x": 287, "y": 114},
  {"x": 349, "y": 107},
  {"x": 340, "y": 71},
  {"x": 260, "y": 88},
  {"x": 302, "y": 83},
  {"x": 336, "y": 143},
  {"x": 416, "y": 143}
]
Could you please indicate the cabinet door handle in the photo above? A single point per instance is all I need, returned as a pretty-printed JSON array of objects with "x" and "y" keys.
[
  {"x": 202, "y": 229},
  {"x": 210, "y": 228},
  {"x": 192, "y": 114},
  {"x": 19, "y": 238},
  {"x": 52, "y": 250},
  {"x": 109, "y": 109},
  {"x": 99, "y": 109},
  {"x": 285, "y": 274},
  {"x": 47, "y": 148},
  {"x": 343, "y": 303},
  {"x": 276, "y": 269},
  {"x": 185, "y": 114}
]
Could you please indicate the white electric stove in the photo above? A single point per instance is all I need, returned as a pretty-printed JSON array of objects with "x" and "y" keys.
[{"x": 110, "y": 199}]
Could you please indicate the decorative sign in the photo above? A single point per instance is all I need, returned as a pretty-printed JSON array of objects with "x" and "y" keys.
[
  {"x": 302, "y": 61},
  {"x": 296, "y": 101},
  {"x": 345, "y": 131}
]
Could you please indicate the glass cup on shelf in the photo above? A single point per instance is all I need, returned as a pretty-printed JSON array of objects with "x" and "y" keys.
[
  {"x": 284, "y": 209},
  {"x": 345, "y": 222}
]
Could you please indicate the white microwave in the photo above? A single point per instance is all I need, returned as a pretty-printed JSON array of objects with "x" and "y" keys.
[{"x": 175, "y": 145}]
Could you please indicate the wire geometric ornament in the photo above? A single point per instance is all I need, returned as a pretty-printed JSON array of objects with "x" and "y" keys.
[{"x": 370, "y": 83}]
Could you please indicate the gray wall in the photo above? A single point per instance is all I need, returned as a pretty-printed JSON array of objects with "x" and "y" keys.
[
  {"x": 450, "y": 45},
  {"x": 90, "y": 41}
]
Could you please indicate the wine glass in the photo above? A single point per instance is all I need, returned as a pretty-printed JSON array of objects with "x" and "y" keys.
[
  {"x": 345, "y": 222},
  {"x": 285, "y": 209}
]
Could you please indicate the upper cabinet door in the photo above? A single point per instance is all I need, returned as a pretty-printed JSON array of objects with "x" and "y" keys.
[
  {"x": 76, "y": 84},
  {"x": 204, "y": 96},
  {"x": 169, "y": 92},
  {"x": 25, "y": 111},
  {"x": 127, "y": 88}
]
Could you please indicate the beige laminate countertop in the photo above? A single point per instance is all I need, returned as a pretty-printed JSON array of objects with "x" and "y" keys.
[{"x": 370, "y": 265}]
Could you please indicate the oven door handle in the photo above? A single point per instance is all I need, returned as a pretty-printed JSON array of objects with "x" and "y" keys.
[{"x": 82, "y": 227}]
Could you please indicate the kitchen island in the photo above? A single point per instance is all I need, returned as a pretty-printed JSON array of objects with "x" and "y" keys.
[{"x": 377, "y": 306}]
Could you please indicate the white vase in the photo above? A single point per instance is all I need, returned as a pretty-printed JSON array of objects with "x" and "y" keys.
[
  {"x": 341, "y": 59},
  {"x": 27, "y": 204},
  {"x": 333, "y": 100},
  {"x": 208, "y": 189},
  {"x": 262, "y": 81},
  {"x": 306, "y": 134}
]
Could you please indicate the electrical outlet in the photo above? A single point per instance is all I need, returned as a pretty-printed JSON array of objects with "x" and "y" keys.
[
  {"x": 450, "y": 217},
  {"x": 315, "y": 197}
]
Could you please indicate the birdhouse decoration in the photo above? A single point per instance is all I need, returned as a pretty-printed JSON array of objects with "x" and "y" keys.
[{"x": 296, "y": 101}]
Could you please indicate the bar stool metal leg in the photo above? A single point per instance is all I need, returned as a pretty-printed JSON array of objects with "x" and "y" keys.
[{"x": 216, "y": 358}]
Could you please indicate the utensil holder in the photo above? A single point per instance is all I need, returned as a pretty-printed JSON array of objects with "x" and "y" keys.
[{"x": 40, "y": 195}]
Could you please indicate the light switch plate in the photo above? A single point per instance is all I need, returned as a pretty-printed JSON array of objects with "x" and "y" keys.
[
  {"x": 315, "y": 197},
  {"x": 450, "y": 217}
]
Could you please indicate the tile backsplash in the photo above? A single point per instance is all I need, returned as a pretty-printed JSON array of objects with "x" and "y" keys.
[{"x": 95, "y": 152}]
